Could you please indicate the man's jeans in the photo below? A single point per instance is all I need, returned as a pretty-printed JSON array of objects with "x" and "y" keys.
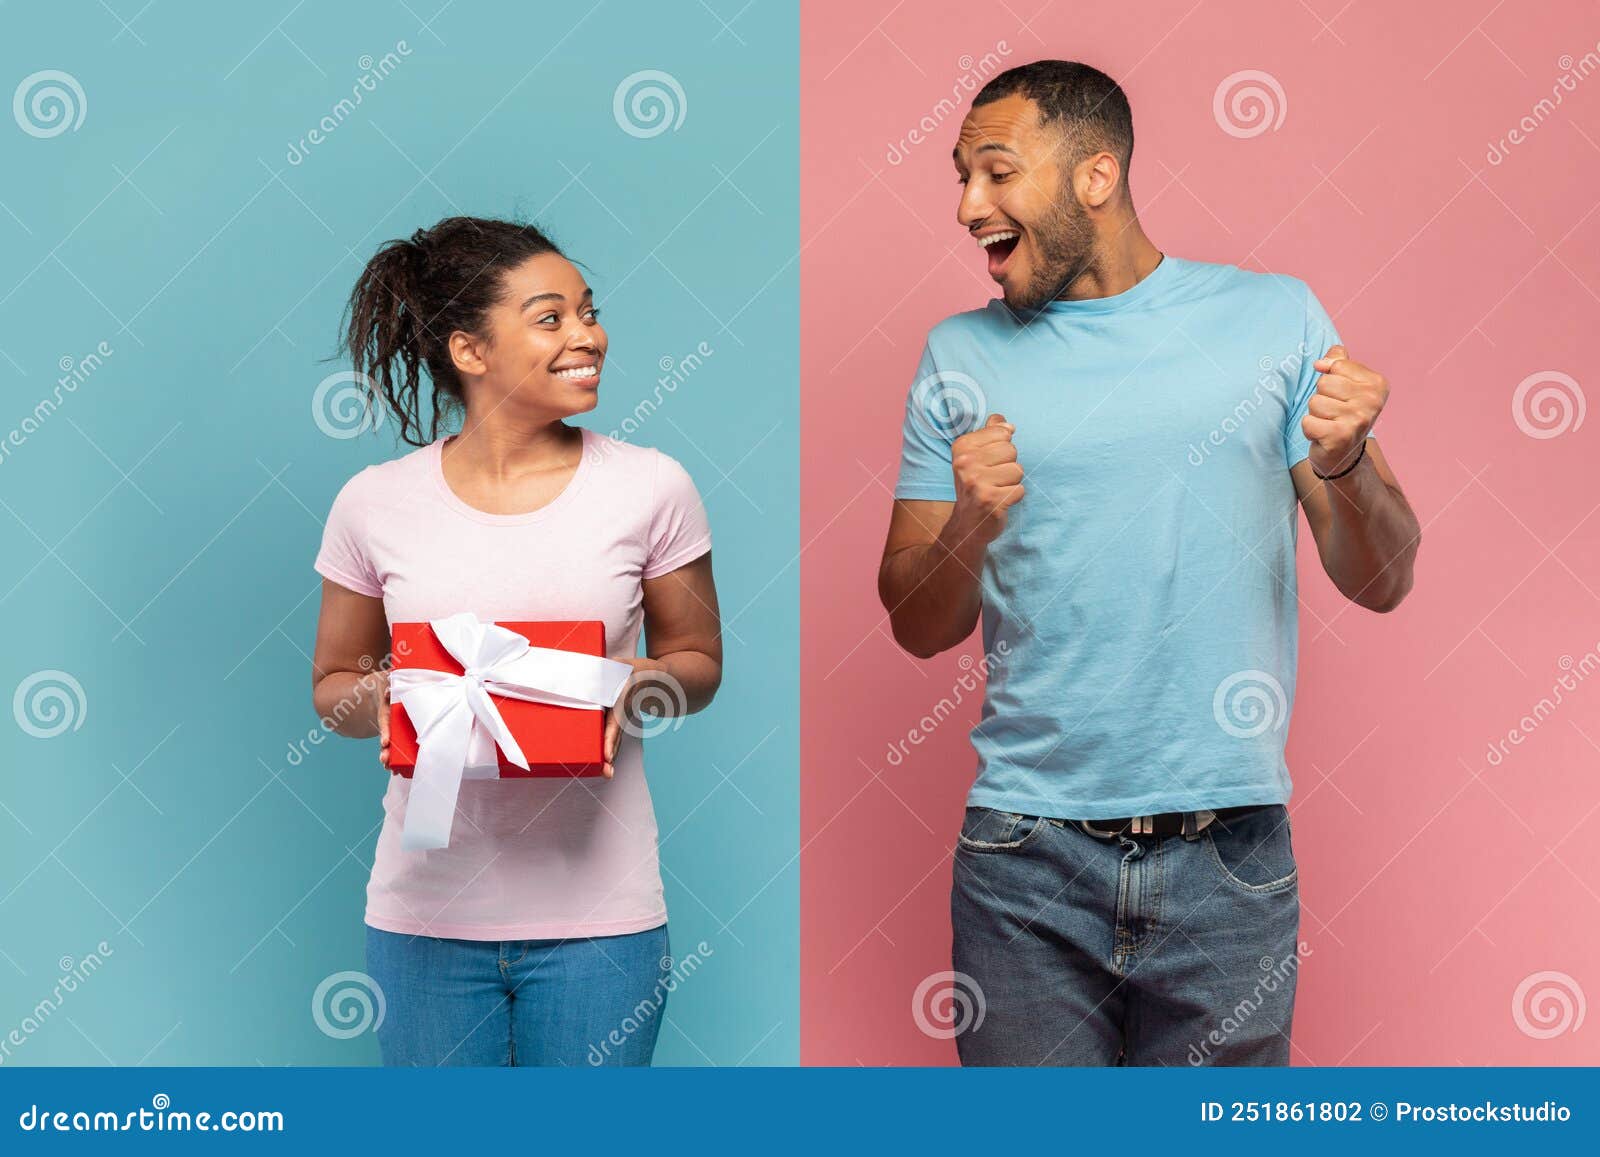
[{"x": 1137, "y": 950}]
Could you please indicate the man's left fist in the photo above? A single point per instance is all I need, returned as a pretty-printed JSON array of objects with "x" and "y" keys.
[{"x": 1348, "y": 400}]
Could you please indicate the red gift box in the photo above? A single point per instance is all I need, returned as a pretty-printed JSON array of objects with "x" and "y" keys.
[{"x": 557, "y": 741}]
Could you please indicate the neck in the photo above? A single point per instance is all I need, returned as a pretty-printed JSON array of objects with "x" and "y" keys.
[
  {"x": 1119, "y": 261},
  {"x": 500, "y": 445}
]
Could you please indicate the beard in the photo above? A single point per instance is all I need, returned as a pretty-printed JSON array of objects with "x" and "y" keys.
[{"x": 1065, "y": 246}]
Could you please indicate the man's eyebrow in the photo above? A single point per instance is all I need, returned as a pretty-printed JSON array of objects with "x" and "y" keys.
[{"x": 987, "y": 146}]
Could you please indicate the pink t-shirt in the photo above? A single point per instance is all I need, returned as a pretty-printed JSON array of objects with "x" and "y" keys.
[{"x": 528, "y": 859}]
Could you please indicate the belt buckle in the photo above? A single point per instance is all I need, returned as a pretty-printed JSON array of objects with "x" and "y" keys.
[
  {"x": 1191, "y": 824},
  {"x": 1194, "y": 822},
  {"x": 1094, "y": 829}
]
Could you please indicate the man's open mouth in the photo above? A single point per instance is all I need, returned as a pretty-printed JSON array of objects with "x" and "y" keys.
[{"x": 998, "y": 247}]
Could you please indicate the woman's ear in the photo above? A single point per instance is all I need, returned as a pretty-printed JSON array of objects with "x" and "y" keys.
[{"x": 466, "y": 354}]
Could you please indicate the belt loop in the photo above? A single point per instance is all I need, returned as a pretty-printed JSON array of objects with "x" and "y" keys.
[{"x": 1196, "y": 822}]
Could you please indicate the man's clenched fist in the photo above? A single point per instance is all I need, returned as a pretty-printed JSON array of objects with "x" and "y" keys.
[
  {"x": 988, "y": 479},
  {"x": 1348, "y": 400}
]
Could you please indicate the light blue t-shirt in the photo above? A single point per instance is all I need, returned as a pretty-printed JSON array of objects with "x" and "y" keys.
[{"x": 1139, "y": 610}]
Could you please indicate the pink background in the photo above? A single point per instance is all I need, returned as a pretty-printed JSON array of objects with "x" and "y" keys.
[{"x": 1434, "y": 883}]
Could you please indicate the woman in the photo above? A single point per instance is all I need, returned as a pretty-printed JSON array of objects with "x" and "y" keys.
[{"x": 541, "y": 928}]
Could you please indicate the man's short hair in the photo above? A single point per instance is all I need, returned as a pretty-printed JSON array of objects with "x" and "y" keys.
[{"x": 1089, "y": 107}]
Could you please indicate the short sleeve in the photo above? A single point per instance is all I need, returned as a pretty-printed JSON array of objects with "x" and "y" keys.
[
  {"x": 344, "y": 557},
  {"x": 679, "y": 531},
  {"x": 928, "y": 431},
  {"x": 1318, "y": 334}
]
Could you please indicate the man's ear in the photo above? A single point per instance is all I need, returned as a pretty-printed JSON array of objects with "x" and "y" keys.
[
  {"x": 1096, "y": 179},
  {"x": 466, "y": 354}
]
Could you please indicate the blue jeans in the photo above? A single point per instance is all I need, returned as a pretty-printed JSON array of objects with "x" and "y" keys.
[
  {"x": 1084, "y": 949},
  {"x": 520, "y": 1002}
]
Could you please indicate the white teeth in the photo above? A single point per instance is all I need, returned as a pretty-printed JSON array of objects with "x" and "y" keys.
[
  {"x": 580, "y": 372},
  {"x": 993, "y": 237}
]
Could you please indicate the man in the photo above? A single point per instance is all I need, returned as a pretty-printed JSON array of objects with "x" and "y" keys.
[{"x": 1106, "y": 464}]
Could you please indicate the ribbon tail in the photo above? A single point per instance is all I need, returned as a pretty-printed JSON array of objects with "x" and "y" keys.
[
  {"x": 491, "y": 721},
  {"x": 436, "y": 781},
  {"x": 483, "y": 761}
]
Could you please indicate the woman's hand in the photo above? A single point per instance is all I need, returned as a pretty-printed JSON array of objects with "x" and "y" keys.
[
  {"x": 383, "y": 718},
  {"x": 624, "y": 710}
]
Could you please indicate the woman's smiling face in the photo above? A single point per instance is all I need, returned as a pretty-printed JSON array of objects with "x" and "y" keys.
[{"x": 543, "y": 346}]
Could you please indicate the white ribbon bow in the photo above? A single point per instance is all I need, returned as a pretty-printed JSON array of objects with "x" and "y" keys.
[{"x": 458, "y": 725}]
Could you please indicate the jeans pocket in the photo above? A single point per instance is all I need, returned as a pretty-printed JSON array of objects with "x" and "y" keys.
[
  {"x": 1253, "y": 852},
  {"x": 988, "y": 830}
]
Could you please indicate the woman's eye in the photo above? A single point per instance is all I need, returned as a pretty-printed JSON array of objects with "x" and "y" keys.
[
  {"x": 546, "y": 319},
  {"x": 592, "y": 315},
  {"x": 1001, "y": 176}
]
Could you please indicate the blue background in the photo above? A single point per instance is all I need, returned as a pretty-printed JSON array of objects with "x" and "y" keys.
[
  {"x": 159, "y": 526},
  {"x": 817, "y": 1109}
]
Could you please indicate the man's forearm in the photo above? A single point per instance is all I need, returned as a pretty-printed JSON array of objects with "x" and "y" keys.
[
  {"x": 933, "y": 591},
  {"x": 1372, "y": 539}
]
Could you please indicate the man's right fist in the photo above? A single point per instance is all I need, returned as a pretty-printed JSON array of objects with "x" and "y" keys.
[{"x": 988, "y": 479}]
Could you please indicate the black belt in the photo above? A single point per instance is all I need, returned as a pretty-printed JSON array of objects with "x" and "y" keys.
[{"x": 1167, "y": 823}]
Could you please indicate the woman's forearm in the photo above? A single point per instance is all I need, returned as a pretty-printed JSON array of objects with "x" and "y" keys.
[
  {"x": 348, "y": 702},
  {"x": 682, "y": 682}
]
